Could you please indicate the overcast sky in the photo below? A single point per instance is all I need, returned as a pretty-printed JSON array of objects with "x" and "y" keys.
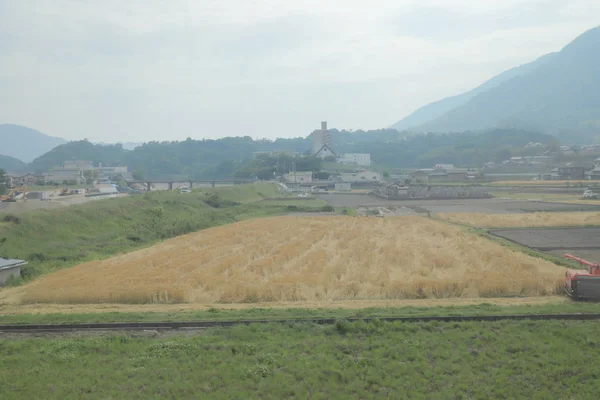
[{"x": 139, "y": 70}]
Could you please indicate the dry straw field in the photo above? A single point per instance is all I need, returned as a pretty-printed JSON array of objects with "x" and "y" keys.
[
  {"x": 531, "y": 220},
  {"x": 306, "y": 259}
]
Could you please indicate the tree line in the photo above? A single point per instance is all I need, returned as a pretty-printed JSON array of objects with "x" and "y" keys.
[{"x": 235, "y": 156}]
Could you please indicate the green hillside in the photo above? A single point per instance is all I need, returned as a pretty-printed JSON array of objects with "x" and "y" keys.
[
  {"x": 52, "y": 239},
  {"x": 11, "y": 164},
  {"x": 436, "y": 109}
]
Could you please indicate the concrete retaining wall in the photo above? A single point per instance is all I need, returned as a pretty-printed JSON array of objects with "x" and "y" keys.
[{"x": 5, "y": 274}]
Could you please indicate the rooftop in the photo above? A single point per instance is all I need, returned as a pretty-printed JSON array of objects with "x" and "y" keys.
[{"x": 6, "y": 263}]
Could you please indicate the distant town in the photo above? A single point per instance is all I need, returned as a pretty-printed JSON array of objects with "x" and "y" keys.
[{"x": 343, "y": 170}]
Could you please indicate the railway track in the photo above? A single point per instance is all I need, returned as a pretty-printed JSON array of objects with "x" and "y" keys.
[{"x": 137, "y": 326}]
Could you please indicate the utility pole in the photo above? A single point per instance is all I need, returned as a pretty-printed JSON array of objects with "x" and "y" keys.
[{"x": 294, "y": 169}]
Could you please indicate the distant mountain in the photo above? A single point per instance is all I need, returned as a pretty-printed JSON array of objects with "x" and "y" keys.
[
  {"x": 109, "y": 155},
  {"x": 11, "y": 164},
  {"x": 25, "y": 143},
  {"x": 559, "y": 95},
  {"x": 440, "y": 107}
]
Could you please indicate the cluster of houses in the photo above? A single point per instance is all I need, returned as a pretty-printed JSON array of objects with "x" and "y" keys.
[
  {"x": 358, "y": 176},
  {"x": 72, "y": 172},
  {"x": 444, "y": 173},
  {"x": 522, "y": 161},
  {"x": 570, "y": 172}
]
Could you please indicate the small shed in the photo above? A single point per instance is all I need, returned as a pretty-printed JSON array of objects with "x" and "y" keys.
[{"x": 10, "y": 268}]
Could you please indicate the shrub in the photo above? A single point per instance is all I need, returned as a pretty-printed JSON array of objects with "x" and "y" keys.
[
  {"x": 216, "y": 201},
  {"x": 29, "y": 272},
  {"x": 12, "y": 218}
]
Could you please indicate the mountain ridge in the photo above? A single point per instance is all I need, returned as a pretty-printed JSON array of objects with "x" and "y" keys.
[
  {"x": 559, "y": 96},
  {"x": 440, "y": 107},
  {"x": 25, "y": 143}
]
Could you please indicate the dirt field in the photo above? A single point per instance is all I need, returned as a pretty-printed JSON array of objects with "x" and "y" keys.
[
  {"x": 529, "y": 220},
  {"x": 581, "y": 242},
  {"x": 485, "y": 206},
  {"x": 306, "y": 259}
]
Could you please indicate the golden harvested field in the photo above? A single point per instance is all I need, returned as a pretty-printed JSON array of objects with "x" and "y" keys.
[
  {"x": 305, "y": 259},
  {"x": 551, "y": 197},
  {"x": 530, "y": 220}
]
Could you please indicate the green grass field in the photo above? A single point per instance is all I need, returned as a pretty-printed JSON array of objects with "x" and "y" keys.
[
  {"x": 52, "y": 239},
  {"x": 295, "y": 201},
  {"x": 245, "y": 193},
  {"x": 499, "y": 360},
  {"x": 215, "y": 314}
]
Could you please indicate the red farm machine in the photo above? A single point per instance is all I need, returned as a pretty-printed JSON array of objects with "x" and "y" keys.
[{"x": 581, "y": 284}]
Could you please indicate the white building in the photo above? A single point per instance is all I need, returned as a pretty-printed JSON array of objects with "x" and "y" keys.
[
  {"x": 362, "y": 159},
  {"x": 299, "y": 177},
  {"x": 78, "y": 164},
  {"x": 445, "y": 167},
  {"x": 325, "y": 152},
  {"x": 75, "y": 171},
  {"x": 60, "y": 175},
  {"x": 112, "y": 170},
  {"x": 321, "y": 138},
  {"x": 360, "y": 176}
]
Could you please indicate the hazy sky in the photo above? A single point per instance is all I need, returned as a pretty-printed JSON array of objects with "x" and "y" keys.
[{"x": 138, "y": 70}]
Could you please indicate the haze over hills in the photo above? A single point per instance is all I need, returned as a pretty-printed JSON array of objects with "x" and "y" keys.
[
  {"x": 557, "y": 94},
  {"x": 440, "y": 107},
  {"x": 25, "y": 144},
  {"x": 11, "y": 164}
]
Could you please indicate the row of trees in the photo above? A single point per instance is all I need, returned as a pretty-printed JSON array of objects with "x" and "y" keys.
[
  {"x": 266, "y": 166},
  {"x": 233, "y": 156}
]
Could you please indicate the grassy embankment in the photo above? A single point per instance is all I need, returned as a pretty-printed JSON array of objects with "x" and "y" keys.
[
  {"x": 53, "y": 239},
  {"x": 332, "y": 310},
  {"x": 306, "y": 260},
  {"x": 508, "y": 359}
]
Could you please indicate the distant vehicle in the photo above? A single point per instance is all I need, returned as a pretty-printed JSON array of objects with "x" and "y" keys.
[
  {"x": 590, "y": 195},
  {"x": 185, "y": 189}
]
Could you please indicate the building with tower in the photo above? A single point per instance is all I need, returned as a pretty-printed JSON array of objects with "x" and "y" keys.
[{"x": 322, "y": 138}]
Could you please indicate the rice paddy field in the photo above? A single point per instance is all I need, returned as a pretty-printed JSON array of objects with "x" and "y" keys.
[
  {"x": 529, "y": 220},
  {"x": 306, "y": 259}
]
